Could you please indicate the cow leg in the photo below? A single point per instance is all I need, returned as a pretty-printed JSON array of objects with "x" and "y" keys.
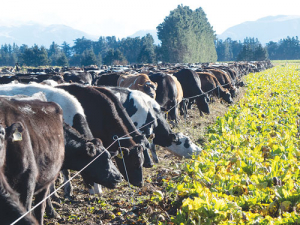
[
  {"x": 68, "y": 188},
  {"x": 96, "y": 189},
  {"x": 39, "y": 210},
  {"x": 26, "y": 189},
  {"x": 50, "y": 211},
  {"x": 55, "y": 196},
  {"x": 183, "y": 107},
  {"x": 153, "y": 151}
]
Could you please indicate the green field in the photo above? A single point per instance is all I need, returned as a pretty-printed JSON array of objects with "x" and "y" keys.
[{"x": 248, "y": 172}]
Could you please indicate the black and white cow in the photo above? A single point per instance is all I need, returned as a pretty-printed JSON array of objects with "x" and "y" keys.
[{"x": 146, "y": 114}]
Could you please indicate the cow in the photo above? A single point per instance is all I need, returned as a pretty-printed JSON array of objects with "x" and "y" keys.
[
  {"x": 69, "y": 103},
  {"x": 179, "y": 97},
  {"x": 137, "y": 137},
  {"x": 105, "y": 123},
  {"x": 80, "y": 77},
  {"x": 10, "y": 207},
  {"x": 34, "y": 146},
  {"x": 79, "y": 152},
  {"x": 108, "y": 79},
  {"x": 211, "y": 85},
  {"x": 166, "y": 94},
  {"x": 191, "y": 86},
  {"x": 146, "y": 114},
  {"x": 139, "y": 82},
  {"x": 224, "y": 80}
]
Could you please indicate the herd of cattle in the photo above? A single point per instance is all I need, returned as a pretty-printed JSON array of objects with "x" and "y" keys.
[{"x": 61, "y": 120}]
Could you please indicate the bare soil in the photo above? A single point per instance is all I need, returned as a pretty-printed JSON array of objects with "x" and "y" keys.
[{"x": 132, "y": 205}]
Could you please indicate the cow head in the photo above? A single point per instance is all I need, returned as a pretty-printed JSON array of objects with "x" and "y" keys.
[
  {"x": 183, "y": 146},
  {"x": 150, "y": 89},
  {"x": 134, "y": 159},
  {"x": 226, "y": 96},
  {"x": 202, "y": 103},
  {"x": 233, "y": 91},
  {"x": 102, "y": 170},
  {"x": 148, "y": 163}
]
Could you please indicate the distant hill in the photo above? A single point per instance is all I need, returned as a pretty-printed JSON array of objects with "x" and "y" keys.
[
  {"x": 34, "y": 33},
  {"x": 142, "y": 33},
  {"x": 271, "y": 28}
]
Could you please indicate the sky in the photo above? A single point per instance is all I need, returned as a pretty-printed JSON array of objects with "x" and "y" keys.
[{"x": 123, "y": 18}]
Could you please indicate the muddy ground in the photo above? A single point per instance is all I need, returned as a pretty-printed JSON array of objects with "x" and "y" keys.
[{"x": 132, "y": 205}]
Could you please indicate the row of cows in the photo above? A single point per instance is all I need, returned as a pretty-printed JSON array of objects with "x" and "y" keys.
[{"x": 49, "y": 125}]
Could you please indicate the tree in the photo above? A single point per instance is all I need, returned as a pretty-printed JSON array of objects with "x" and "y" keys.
[
  {"x": 114, "y": 58},
  {"x": 187, "y": 36},
  {"x": 88, "y": 57},
  {"x": 66, "y": 49},
  {"x": 82, "y": 44},
  {"x": 260, "y": 53},
  {"x": 272, "y": 48},
  {"x": 131, "y": 48},
  {"x": 75, "y": 60},
  {"x": 35, "y": 56},
  {"x": 147, "y": 53},
  {"x": 53, "y": 53},
  {"x": 62, "y": 60},
  {"x": 246, "y": 54}
]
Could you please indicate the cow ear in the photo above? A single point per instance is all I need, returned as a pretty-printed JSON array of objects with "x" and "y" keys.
[
  {"x": 140, "y": 85},
  {"x": 14, "y": 132},
  {"x": 91, "y": 149}
]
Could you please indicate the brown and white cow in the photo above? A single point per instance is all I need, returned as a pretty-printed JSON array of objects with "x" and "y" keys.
[{"x": 140, "y": 82}]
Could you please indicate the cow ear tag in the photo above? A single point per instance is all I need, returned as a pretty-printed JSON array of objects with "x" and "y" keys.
[
  {"x": 17, "y": 136},
  {"x": 120, "y": 155}
]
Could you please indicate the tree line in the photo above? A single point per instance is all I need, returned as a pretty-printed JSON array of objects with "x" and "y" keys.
[
  {"x": 186, "y": 37},
  {"x": 252, "y": 50},
  {"x": 107, "y": 50}
]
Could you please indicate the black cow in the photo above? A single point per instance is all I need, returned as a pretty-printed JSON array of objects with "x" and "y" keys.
[
  {"x": 166, "y": 93},
  {"x": 109, "y": 79},
  {"x": 105, "y": 123},
  {"x": 10, "y": 207},
  {"x": 79, "y": 77},
  {"x": 191, "y": 86},
  {"x": 79, "y": 152},
  {"x": 34, "y": 146}
]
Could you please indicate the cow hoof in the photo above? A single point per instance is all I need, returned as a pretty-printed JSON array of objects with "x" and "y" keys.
[{"x": 69, "y": 198}]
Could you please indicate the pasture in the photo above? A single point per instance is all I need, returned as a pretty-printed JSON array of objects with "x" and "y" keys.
[{"x": 248, "y": 171}]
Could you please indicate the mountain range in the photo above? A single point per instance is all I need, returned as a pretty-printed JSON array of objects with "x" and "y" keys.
[
  {"x": 270, "y": 28},
  {"x": 266, "y": 29},
  {"x": 34, "y": 33}
]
